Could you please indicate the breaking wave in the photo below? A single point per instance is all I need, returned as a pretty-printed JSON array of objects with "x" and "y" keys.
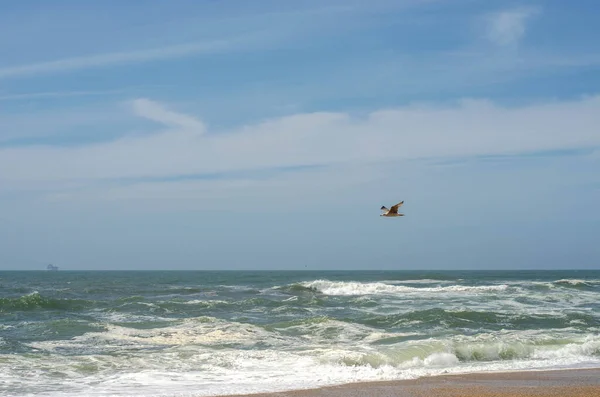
[
  {"x": 153, "y": 333},
  {"x": 35, "y": 301},
  {"x": 346, "y": 288}
]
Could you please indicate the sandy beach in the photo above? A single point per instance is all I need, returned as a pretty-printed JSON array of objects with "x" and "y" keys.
[{"x": 563, "y": 383}]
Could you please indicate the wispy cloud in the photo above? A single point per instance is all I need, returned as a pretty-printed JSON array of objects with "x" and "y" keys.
[
  {"x": 470, "y": 128},
  {"x": 278, "y": 188},
  {"x": 115, "y": 58},
  {"x": 58, "y": 94},
  {"x": 156, "y": 112},
  {"x": 81, "y": 120},
  {"x": 134, "y": 90},
  {"x": 240, "y": 30},
  {"x": 508, "y": 27}
]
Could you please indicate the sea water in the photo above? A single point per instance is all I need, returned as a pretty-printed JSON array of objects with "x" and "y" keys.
[{"x": 176, "y": 333}]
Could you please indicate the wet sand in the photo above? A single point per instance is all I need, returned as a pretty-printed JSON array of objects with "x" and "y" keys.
[{"x": 564, "y": 383}]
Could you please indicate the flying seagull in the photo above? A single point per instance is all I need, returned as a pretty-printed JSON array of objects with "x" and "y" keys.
[{"x": 392, "y": 211}]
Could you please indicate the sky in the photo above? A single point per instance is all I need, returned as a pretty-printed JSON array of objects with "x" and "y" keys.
[{"x": 234, "y": 134}]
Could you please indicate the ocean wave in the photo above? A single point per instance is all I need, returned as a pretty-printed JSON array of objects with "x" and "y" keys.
[
  {"x": 151, "y": 336},
  {"x": 419, "y": 281},
  {"x": 515, "y": 346},
  {"x": 204, "y": 303},
  {"x": 134, "y": 320},
  {"x": 297, "y": 289},
  {"x": 329, "y": 339},
  {"x": 437, "y": 317},
  {"x": 35, "y": 300},
  {"x": 211, "y": 352},
  {"x": 201, "y": 331},
  {"x": 346, "y": 288},
  {"x": 176, "y": 289},
  {"x": 471, "y": 350},
  {"x": 576, "y": 283}
]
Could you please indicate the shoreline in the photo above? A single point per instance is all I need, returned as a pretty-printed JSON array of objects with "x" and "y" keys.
[{"x": 568, "y": 382}]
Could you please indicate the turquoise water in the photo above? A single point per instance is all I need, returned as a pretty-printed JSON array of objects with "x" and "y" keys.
[{"x": 208, "y": 333}]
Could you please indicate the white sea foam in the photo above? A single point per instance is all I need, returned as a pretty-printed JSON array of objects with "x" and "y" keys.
[
  {"x": 441, "y": 360},
  {"x": 231, "y": 371},
  {"x": 205, "y": 303},
  {"x": 378, "y": 288},
  {"x": 577, "y": 282},
  {"x": 417, "y": 281},
  {"x": 120, "y": 317},
  {"x": 207, "y": 356},
  {"x": 345, "y": 332}
]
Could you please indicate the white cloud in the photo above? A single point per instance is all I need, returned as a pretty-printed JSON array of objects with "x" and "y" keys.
[
  {"x": 508, "y": 27},
  {"x": 317, "y": 186},
  {"x": 27, "y": 124},
  {"x": 57, "y": 94},
  {"x": 473, "y": 127},
  {"x": 246, "y": 29},
  {"x": 156, "y": 112},
  {"x": 115, "y": 58}
]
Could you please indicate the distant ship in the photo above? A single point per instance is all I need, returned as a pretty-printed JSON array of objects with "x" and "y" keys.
[{"x": 52, "y": 268}]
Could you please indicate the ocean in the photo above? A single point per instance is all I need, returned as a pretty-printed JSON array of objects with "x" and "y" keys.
[{"x": 208, "y": 333}]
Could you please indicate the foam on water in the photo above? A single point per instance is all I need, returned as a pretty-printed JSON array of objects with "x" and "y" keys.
[
  {"x": 418, "y": 281},
  {"x": 207, "y": 356},
  {"x": 355, "y": 288},
  {"x": 578, "y": 283},
  {"x": 178, "y": 340}
]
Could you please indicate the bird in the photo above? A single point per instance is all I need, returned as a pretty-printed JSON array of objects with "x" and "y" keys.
[{"x": 392, "y": 211}]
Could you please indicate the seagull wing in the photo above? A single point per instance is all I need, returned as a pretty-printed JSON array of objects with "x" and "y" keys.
[{"x": 394, "y": 209}]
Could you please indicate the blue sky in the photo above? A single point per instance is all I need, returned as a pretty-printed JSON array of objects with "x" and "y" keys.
[{"x": 267, "y": 134}]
